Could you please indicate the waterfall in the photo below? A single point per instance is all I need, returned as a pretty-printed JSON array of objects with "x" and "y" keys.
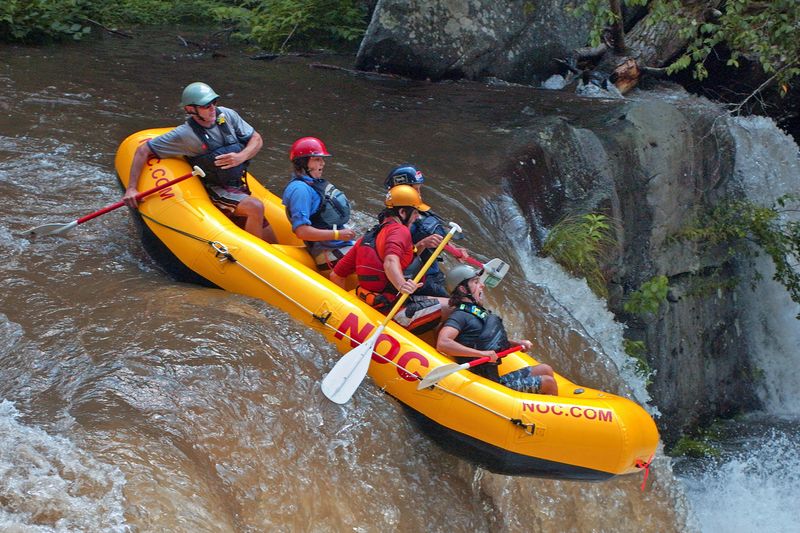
[
  {"x": 767, "y": 167},
  {"x": 751, "y": 487}
]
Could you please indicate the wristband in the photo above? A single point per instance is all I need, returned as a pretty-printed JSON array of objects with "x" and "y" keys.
[{"x": 335, "y": 234}]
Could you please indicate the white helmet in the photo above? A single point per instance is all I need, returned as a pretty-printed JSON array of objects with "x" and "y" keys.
[{"x": 459, "y": 274}]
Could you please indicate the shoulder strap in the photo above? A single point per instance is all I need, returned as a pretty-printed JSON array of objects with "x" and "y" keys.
[{"x": 202, "y": 133}]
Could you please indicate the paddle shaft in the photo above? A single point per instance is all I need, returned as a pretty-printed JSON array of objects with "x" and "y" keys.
[
  {"x": 403, "y": 296},
  {"x": 117, "y": 205},
  {"x": 486, "y": 358},
  {"x": 458, "y": 254}
]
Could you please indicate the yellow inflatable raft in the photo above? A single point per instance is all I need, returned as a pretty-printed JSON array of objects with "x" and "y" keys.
[{"x": 582, "y": 434}]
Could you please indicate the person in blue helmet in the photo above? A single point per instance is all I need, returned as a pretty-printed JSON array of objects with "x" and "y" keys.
[
  {"x": 219, "y": 141},
  {"x": 424, "y": 229},
  {"x": 317, "y": 210}
]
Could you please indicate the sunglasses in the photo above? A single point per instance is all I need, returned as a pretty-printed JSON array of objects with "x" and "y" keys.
[{"x": 209, "y": 105}]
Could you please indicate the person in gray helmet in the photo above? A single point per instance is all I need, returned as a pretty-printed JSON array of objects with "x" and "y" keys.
[
  {"x": 472, "y": 331},
  {"x": 219, "y": 141}
]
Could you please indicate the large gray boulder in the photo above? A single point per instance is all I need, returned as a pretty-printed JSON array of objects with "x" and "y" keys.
[
  {"x": 652, "y": 164},
  {"x": 514, "y": 40}
]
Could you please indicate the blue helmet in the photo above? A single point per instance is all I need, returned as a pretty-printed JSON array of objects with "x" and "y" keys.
[{"x": 404, "y": 175}]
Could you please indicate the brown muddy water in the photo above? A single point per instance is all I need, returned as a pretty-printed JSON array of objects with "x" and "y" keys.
[{"x": 131, "y": 402}]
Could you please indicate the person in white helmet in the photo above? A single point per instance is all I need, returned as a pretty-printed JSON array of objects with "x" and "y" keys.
[{"x": 472, "y": 331}]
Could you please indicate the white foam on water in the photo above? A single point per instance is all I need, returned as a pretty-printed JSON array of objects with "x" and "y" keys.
[
  {"x": 753, "y": 491},
  {"x": 47, "y": 483}
]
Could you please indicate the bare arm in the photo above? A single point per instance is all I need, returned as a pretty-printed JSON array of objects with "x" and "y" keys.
[
  {"x": 391, "y": 265},
  {"x": 447, "y": 344},
  {"x": 310, "y": 233},
  {"x": 139, "y": 159},
  {"x": 250, "y": 150},
  {"x": 525, "y": 343}
]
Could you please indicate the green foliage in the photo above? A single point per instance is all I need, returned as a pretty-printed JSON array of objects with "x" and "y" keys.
[
  {"x": 272, "y": 24},
  {"x": 41, "y": 20},
  {"x": 579, "y": 244},
  {"x": 698, "y": 448},
  {"x": 276, "y": 23},
  {"x": 766, "y": 30},
  {"x": 638, "y": 351},
  {"x": 735, "y": 224},
  {"x": 648, "y": 297},
  {"x": 156, "y": 12}
]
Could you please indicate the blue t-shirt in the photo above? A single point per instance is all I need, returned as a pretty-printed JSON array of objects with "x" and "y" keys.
[{"x": 302, "y": 201}]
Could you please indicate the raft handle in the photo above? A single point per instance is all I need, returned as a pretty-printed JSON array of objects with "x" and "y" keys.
[{"x": 527, "y": 428}]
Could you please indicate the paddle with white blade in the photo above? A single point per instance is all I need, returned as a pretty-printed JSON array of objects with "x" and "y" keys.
[
  {"x": 438, "y": 374},
  {"x": 59, "y": 228},
  {"x": 348, "y": 373},
  {"x": 493, "y": 271}
]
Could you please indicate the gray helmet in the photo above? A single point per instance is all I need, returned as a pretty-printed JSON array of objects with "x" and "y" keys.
[
  {"x": 458, "y": 274},
  {"x": 198, "y": 93}
]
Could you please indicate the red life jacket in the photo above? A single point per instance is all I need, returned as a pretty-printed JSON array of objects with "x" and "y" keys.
[{"x": 369, "y": 266}]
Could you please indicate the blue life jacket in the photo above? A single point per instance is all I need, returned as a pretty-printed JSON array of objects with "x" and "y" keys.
[{"x": 334, "y": 207}]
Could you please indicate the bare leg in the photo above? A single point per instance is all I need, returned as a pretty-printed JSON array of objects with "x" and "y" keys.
[
  {"x": 545, "y": 372},
  {"x": 253, "y": 210},
  {"x": 446, "y": 309}
]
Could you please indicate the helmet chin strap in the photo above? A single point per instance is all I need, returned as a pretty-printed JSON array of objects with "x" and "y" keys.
[
  {"x": 465, "y": 293},
  {"x": 405, "y": 219}
]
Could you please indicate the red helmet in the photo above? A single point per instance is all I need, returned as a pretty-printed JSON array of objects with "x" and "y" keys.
[{"x": 308, "y": 147}]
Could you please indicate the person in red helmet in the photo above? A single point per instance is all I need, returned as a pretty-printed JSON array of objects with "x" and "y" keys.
[
  {"x": 219, "y": 141},
  {"x": 386, "y": 261},
  {"x": 317, "y": 210}
]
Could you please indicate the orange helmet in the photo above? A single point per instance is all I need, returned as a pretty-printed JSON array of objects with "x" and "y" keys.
[
  {"x": 405, "y": 196},
  {"x": 308, "y": 147}
]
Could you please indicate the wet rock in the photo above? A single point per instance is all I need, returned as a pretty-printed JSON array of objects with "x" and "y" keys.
[
  {"x": 651, "y": 164},
  {"x": 514, "y": 41}
]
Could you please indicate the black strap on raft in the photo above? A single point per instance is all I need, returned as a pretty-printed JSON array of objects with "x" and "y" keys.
[
  {"x": 220, "y": 250},
  {"x": 529, "y": 428}
]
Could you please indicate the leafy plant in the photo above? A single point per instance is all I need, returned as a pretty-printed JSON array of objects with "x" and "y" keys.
[
  {"x": 766, "y": 30},
  {"x": 648, "y": 297},
  {"x": 580, "y": 244},
  {"x": 272, "y": 24},
  {"x": 692, "y": 447},
  {"x": 41, "y": 20},
  {"x": 277, "y": 23},
  {"x": 638, "y": 351},
  {"x": 737, "y": 224}
]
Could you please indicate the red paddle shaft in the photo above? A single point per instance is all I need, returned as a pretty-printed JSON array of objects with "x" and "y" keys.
[
  {"x": 139, "y": 196},
  {"x": 486, "y": 359},
  {"x": 455, "y": 252}
]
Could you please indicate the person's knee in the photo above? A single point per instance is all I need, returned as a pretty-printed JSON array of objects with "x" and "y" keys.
[
  {"x": 251, "y": 207},
  {"x": 542, "y": 370},
  {"x": 548, "y": 385}
]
